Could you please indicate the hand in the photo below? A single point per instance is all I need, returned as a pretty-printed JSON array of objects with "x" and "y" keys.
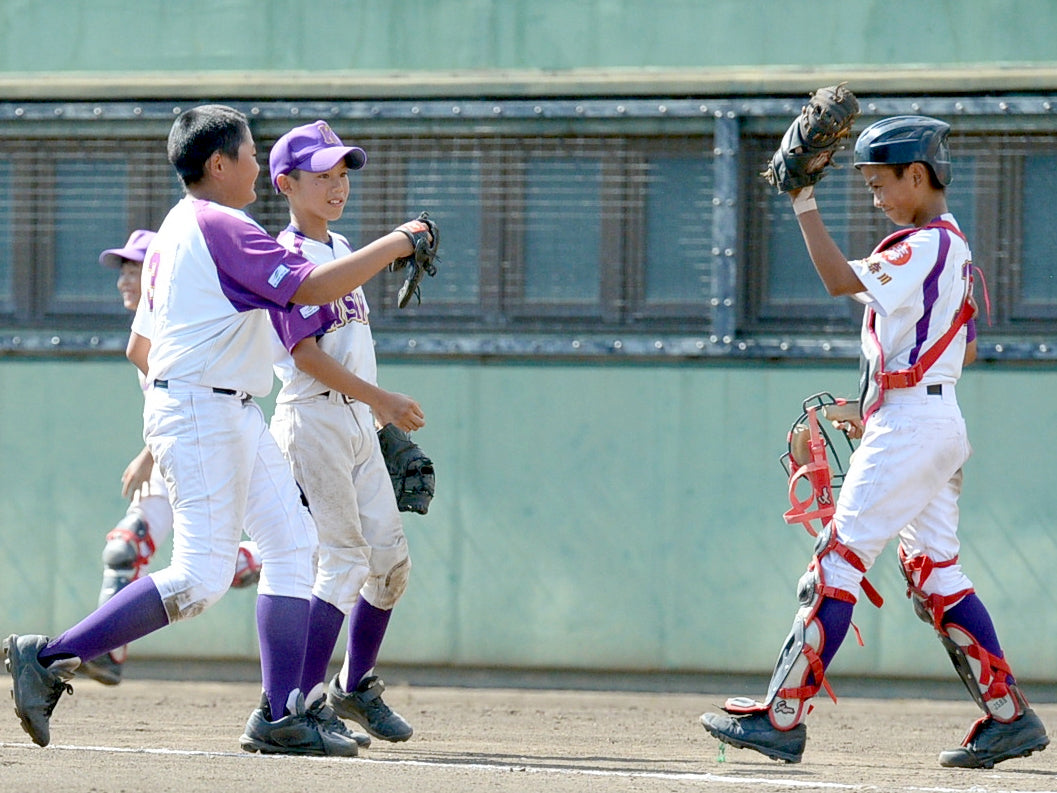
[
  {"x": 400, "y": 410},
  {"x": 137, "y": 473},
  {"x": 416, "y": 229},
  {"x": 852, "y": 427}
]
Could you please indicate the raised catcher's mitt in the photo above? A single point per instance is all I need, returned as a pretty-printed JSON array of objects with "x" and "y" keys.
[
  {"x": 414, "y": 482},
  {"x": 813, "y": 138},
  {"x": 425, "y": 238}
]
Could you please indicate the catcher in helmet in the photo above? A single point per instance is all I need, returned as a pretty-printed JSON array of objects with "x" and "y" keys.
[{"x": 905, "y": 477}]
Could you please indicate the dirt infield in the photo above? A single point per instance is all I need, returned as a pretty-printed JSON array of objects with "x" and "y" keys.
[{"x": 182, "y": 736}]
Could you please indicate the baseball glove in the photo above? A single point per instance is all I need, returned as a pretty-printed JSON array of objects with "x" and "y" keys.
[
  {"x": 425, "y": 238},
  {"x": 812, "y": 140},
  {"x": 414, "y": 482}
]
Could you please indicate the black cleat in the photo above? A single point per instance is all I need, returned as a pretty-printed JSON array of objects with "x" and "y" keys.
[
  {"x": 990, "y": 741},
  {"x": 297, "y": 733},
  {"x": 321, "y": 711},
  {"x": 103, "y": 669},
  {"x": 365, "y": 707},
  {"x": 755, "y": 731},
  {"x": 36, "y": 688}
]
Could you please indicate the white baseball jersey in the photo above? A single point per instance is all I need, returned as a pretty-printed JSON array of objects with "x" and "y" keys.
[
  {"x": 333, "y": 449},
  {"x": 905, "y": 477},
  {"x": 914, "y": 289},
  {"x": 341, "y": 327},
  {"x": 206, "y": 271}
]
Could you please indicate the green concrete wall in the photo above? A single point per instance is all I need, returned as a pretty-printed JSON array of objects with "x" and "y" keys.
[
  {"x": 438, "y": 35},
  {"x": 615, "y": 516},
  {"x": 607, "y": 516}
]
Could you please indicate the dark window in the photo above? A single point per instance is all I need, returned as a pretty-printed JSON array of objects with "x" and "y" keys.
[{"x": 559, "y": 220}]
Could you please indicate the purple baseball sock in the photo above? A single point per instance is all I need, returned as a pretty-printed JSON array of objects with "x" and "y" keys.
[
  {"x": 367, "y": 626},
  {"x": 835, "y": 617},
  {"x": 324, "y": 626},
  {"x": 132, "y": 613},
  {"x": 971, "y": 615},
  {"x": 282, "y": 629}
]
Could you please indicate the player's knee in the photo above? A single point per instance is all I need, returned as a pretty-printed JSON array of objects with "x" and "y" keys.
[
  {"x": 187, "y": 591},
  {"x": 193, "y": 601},
  {"x": 383, "y": 591},
  {"x": 932, "y": 585}
]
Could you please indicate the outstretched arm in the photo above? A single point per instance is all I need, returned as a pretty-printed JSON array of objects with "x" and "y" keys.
[{"x": 337, "y": 278}]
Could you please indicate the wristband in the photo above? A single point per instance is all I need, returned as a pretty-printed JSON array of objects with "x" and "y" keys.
[{"x": 805, "y": 201}]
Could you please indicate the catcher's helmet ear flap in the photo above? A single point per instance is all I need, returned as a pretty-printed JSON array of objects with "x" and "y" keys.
[{"x": 907, "y": 139}]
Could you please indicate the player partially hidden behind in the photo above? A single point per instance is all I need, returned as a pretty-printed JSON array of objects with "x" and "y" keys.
[
  {"x": 324, "y": 422},
  {"x": 203, "y": 336},
  {"x": 147, "y": 523},
  {"x": 906, "y": 475}
]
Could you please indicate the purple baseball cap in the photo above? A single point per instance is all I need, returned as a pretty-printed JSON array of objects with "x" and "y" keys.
[
  {"x": 135, "y": 249},
  {"x": 313, "y": 148}
]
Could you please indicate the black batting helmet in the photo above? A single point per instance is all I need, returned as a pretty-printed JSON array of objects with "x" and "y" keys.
[{"x": 907, "y": 139}]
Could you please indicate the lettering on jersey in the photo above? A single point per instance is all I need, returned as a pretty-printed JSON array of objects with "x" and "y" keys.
[
  {"x": 277, "y": 276},
  {"x": 898, "y": 254},
  {"x": 873, "y": 266},
  {"x": 152, "y": 277},
  {"x": 349, "y": 309},
  {"x": 307, "y": 311}
]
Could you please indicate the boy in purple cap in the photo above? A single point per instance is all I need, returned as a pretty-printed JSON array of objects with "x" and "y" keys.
[
  {"x": 147, "y": 523},
  {"x": 324, "y": 421},
  {"x": 204, "y": 339}
]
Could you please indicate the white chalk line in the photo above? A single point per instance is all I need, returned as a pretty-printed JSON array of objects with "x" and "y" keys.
[{"x": 673, "y": 776}]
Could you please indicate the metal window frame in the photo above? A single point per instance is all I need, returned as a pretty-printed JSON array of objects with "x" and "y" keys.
[{"x": 728, "y": 119}]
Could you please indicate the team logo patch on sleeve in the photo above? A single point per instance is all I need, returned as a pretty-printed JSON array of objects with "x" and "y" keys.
[
  {"x": 898, "y": 254},
  {"x": 278, "y": 274},
  {"x": 307, "y": 311}
]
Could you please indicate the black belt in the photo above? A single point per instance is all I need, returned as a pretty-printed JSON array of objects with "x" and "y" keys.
[
  {"x": 348, "y": 400},
  {"x": 936, "y": 389},
  {"x": 224, "y": 391}
]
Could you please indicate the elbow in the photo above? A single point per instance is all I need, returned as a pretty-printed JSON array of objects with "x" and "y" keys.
[
  {"x": 843, "y": 290},
  {"x": 835, "y": 291},
  {"x": 304, "y": 296},
  {"x": 844, "y": 287}
]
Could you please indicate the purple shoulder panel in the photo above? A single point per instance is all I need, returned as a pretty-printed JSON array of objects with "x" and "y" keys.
[{"x": 254, "y": 270}]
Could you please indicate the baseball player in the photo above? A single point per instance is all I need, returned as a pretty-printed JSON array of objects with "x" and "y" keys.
[
  {"x": 204, "y": 340},
  {"x": 904, "y": 479},
  {"x": 148, "y": 521},
  {"x": 324, "y": 422}
]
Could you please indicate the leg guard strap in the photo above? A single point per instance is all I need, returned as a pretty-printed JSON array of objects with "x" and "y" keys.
[
  {"x": 128, "y": 549},
  {"x": 916, "y": 571},
  {"x": 135, "y": 532},
  {"x": 828, "y": 543},
  {"x": 986, "y": 676}
]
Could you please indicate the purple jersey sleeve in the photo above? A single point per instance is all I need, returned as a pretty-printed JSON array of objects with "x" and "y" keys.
[
  {"x": 254, "y": 270},
  {"x": 300, "y": 322},
  {"x": 970, "y": 333}
]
